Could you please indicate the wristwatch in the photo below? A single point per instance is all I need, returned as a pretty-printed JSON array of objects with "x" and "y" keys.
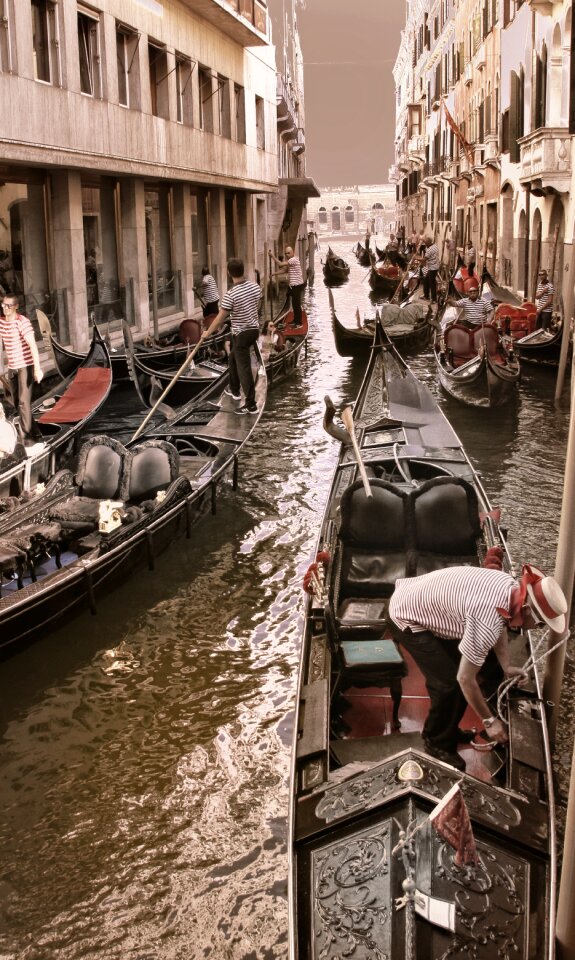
[{"x": 489, "y": 721}]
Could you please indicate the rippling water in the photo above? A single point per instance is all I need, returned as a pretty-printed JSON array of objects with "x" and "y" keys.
[{"x": 145, "y": 751}]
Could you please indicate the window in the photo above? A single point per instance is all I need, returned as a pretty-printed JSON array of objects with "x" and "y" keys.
[
  {"x": 206, "y": 94},
  {"x": 127, "y": 41},
  {"x": 158, "y": 66},
  {"x": 6, "y": 20},
  {"x": 349, "y": 214},
  {"x": 184, "y": 98},
  {"x": 89, "y": 52},
  {"x": 539, "y": 111},
  {"x": 240, "y": 113},
  {"x": 163, "y": 281},
  {"x": 224, "y": 111},
  {"x": 260, "y": 124},
  {"x": 45, "y": 42},
  {"x": 335, "y": 218},
  {"x": 322, "y": 215},
  {"x": 99, "y": 213}
]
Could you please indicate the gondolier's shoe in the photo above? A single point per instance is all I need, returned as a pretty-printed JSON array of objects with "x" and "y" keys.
[
  {"x": 245, "y": 410},
  {"x": 444, "y": 755},
  {"x": 230, "y": 393}
]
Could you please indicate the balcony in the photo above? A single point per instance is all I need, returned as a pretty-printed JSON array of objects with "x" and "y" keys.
[
  {"x": 545, "y": 7},
  {"x": 468, "y": 74},
  {"x": 545, "y": 160},
  {"x": 298, "y": 147},
  {"x": 416, "y": 146},
  {"x": 245, "y": 21},
  {"x": 287, "y": 109},
  {"x": 433, "y": 169}
]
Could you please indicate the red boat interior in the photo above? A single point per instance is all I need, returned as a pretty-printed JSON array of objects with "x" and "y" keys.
[{"x": 463, "y": 344}]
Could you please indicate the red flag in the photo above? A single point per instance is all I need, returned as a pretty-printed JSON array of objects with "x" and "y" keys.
[
  {"x": 451, "y": 820},
  {"x": 457, "y": 131}
]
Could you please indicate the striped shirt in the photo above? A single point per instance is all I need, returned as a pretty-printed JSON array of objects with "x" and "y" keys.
[
  {"x": 242, "y": 300},
  {"x": 432, "y": 257},
  {"x": 210, "y": 289},
  {"x": 13, "y": 334},
  {"x": 458, "y": 603},
  {"x": 544, "y": 296},
  {"x": 475, "y": 311},
  {"x": 295, "y": 275}
]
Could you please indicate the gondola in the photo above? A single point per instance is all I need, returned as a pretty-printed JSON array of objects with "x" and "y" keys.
[
  {"x": 335, "y": 269},
  {"x": 280, "y": 347},
  {"x": 532, "y": 345},
  {"x": 369, "y": 876},
  {"x": 67, "y": 547},
  {"x": 384, "y": 277},
  {"x": 475, "y": 364},
  {"x": 59, "y": 416},
  {"x": 409, "y": 328},
  {"x": 171, "y": 351},
  {"x": 363, "y": 254}
]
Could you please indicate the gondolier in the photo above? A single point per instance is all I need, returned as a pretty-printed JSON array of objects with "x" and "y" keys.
[
  {"x": 476, "y": 310},
  {"x": 449, "y": 621},
  {"x": 431, "y": 261},
  {"x": 24, "y": 367},
  {"x": 210, "y": 294},
  {"x": 544, "y": 301},
  {"x": 295, "y": 279},
  {"x": 241, "y": 304}
]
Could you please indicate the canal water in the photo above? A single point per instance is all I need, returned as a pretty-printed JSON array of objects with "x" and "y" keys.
[{"x": 145, "y": 751}]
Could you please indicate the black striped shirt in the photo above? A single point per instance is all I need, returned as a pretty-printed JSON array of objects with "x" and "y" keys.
[
  {"x": 458, "y": 603},
  {"x": 210, "y": 289},
  {"x": 242, "y": 300},
  {"x": 475, "y": 311}
]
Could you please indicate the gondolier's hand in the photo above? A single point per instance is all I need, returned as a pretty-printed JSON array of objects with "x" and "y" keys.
[
  {"x": 496, "y": 729},
  {"x": 511, "y": 672},
  {"x": 38, "y": 374}
]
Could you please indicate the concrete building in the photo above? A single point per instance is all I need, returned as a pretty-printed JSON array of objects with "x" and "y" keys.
[
  {"x": 138, "y": 141},
  {"x": 357, "y": 210}
]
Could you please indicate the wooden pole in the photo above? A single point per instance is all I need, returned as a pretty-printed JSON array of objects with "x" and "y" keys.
[
  {"x": 174, "y": 379},
  {"x": 347, "y": 417}
]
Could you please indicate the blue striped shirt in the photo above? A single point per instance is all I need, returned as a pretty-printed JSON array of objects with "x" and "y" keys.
[
  {"x": 242, "y": 300},
  {"x": 458, "y": 603}
]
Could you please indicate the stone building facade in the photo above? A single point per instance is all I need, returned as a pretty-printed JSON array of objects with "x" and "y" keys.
[
  {"x": 484, "y": 127},
  {"x": 138, "y": 142},
  {"x": 354, "y": 210}
]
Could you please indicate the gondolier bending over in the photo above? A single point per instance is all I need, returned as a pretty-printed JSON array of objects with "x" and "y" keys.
[
  {"x": 295, "y": 279},
  {"x": 24, "y": 368},
  {"x": 210, "y": 294},
  {"x": 449, "y": 621}
]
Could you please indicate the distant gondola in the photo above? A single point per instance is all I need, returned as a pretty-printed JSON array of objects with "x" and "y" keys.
[
  {"x": 409, "y": 330},
  {"x": 335, "y": 269}
]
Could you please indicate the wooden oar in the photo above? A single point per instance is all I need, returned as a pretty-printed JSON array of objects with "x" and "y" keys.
[
  {"x": 174, "y": 380},
  {"x": 347, "y": 417}
]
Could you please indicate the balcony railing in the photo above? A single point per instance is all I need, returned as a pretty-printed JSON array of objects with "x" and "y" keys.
[
  {"x": 546, "y": 157},
  {"x": 435, "y": 167},
  {"x": 541, "y": 6}
]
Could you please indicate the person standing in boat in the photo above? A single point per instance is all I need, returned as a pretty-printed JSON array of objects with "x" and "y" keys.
[
  {"x": 24, "y": 368},
  {"x": 210, "y": 294},
  {"x": 470, "y": 258},
  {"x": 241, "y": 304},
  {"x": 295, "y": 280},
  {"x": 450, "y": 621},
  {"x": 544, "y": 301},
  {"x": 431, "y": 260}
]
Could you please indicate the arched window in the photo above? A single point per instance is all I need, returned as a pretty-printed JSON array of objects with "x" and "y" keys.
[
  {"x": 335, "y": 218},
  {"x": 322, "y": 215},
  {"x": 377, "y": 206},
  {"x": 349, "y": 214},
  {"x": 541, "y": 87}
]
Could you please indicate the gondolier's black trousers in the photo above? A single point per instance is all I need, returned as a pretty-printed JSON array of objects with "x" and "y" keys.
[
  {"x": 210, "y": 309},
  {"x": 296, "y": 295},
  {"x": 430, "y": 285},
  {"x": 438, "y": 660},
  {"x": 240, "y": 364},
  {"x": 21, "y": 383}
]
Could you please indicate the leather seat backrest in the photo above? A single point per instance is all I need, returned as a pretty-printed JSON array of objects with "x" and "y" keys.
[
  {"x": 373, "y": 522},
  {"x": 101, "y": 472},
  {"x": 154, "y": 465},
  {"x": 457, "y": 339},
  {"x": 446, "y": 516},
  {"x": 487, "y": 335}
]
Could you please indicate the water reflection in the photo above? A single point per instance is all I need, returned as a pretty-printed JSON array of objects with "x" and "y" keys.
[{"x": 146, "y": 750}]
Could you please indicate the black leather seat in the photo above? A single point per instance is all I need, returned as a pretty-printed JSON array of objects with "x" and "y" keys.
[
  {"x": 446, "y": 524},
  {"x": 101, "y": 475},
  {"x": 154, "y": 465}
]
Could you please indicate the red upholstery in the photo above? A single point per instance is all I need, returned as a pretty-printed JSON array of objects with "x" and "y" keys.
[
  {"x": 459, "y": 343},
  {"x": 488, "y": 336},
  {"x": 87, "y": 390}
]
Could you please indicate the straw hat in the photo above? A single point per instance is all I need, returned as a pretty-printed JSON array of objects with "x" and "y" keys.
[{"x": 547, "y": 599}]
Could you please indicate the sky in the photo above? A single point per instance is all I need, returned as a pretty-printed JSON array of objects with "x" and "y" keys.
[{"x": 349, "y": 49}]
